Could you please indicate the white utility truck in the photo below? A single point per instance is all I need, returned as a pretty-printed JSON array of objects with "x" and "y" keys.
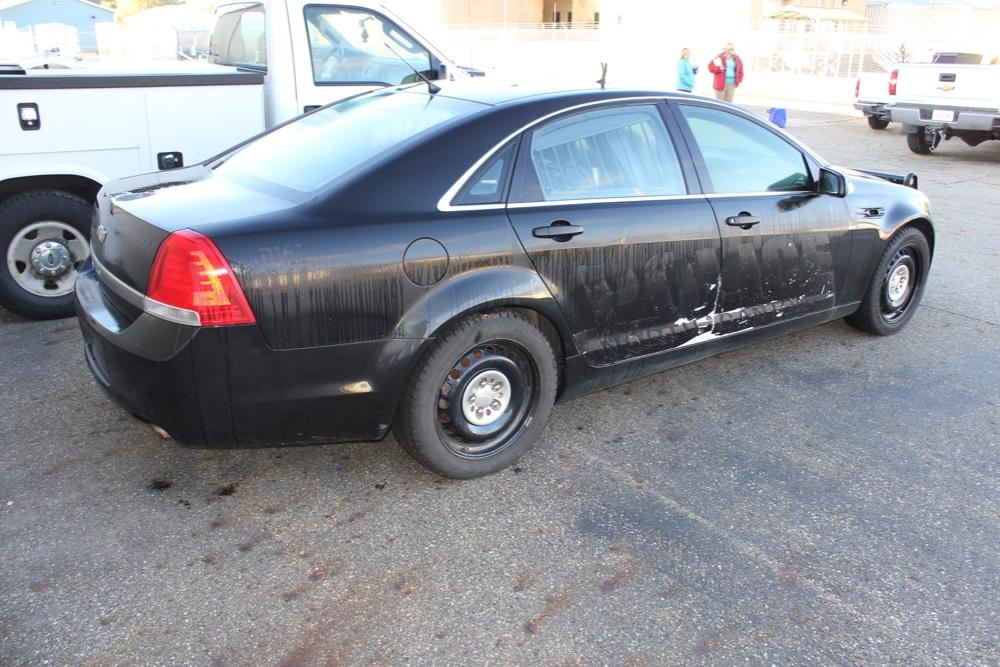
[
  {"x": 64, "y": 133},
  {"x": 944, "y": 100}
]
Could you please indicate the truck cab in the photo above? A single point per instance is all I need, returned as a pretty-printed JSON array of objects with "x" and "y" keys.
[{"x": 314, "y": 54}]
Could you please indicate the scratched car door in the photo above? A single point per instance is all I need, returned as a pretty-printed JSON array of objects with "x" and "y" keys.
[
  {"x": 600, "y": 203},
  {"x": 785, "y": 248}
]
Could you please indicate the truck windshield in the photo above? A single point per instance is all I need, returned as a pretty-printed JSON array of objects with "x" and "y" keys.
[{"x": 319, "y": 148}]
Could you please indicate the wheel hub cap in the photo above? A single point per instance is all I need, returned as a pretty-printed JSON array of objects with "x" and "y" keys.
[
  {"x": 51, "y": 259},
  {"x": 486, "y": 397},
  {"x": 897, "y": 285}
]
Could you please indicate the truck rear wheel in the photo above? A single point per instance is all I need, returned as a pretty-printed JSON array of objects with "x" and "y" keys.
[
  {"x": 44, "y": 241},
  {"x": 877, "y": 123},
  {"x": 922, "y": 142}
]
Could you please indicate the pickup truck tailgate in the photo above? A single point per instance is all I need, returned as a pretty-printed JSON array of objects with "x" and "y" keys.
[{"x": 943, "y": 85}]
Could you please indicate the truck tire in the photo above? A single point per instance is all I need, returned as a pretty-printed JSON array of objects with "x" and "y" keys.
[
  {"x": 921, "y": 144},
  {"x": 877, "y": 123},
  {"x": 43, "y": 242}
]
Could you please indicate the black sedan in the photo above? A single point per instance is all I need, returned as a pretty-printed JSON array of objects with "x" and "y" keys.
[{"x": 450, "y": 262}]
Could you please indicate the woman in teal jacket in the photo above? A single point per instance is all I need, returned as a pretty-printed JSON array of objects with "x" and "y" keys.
[{"x": 685, "y": 72}]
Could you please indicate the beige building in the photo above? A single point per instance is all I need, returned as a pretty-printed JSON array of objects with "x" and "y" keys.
[
  {"x": 809, "y": 15},
  {"x": 520, "y": 12}
]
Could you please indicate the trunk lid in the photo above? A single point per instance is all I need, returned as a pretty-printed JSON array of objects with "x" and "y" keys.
[{"x": 136, "y": 214}]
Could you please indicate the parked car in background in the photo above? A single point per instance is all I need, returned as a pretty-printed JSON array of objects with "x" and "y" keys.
[
  {"x": 469, "y": 254},
  {"x": 942, "y": 100},
  {"x": 68, "y": 133}
]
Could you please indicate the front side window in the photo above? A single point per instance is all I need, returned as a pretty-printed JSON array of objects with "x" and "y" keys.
[
  {"x": 743, "y": 157},
  {"x": 352, "y": 45},
  {"x": 313, "y": 151},
  {"x": 608, "y": 153}
]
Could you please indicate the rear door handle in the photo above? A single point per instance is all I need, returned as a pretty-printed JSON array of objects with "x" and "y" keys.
[
  {"x": 560, "y": 230},
  {"x": 744, "y": 220}
]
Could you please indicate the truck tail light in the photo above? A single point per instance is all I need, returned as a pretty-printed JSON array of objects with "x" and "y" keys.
[
  {"x": 857, "y": 89},
  {"x": 192, "y": 283},
  {"x": 892, "y": 81}
]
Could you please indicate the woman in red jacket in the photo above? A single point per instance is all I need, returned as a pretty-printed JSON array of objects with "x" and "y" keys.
[{"x": 728, "y": 70}]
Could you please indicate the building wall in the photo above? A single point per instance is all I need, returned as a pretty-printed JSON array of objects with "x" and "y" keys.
[
  {"x": 81, "y": 16},
  {"x": 477, "y": 12},
  {"x": 583, "y": 10}
]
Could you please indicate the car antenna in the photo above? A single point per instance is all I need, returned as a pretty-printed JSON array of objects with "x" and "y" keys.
[
  {"x": 604, "y": 75},
  {"x": 431, "y": 88}
]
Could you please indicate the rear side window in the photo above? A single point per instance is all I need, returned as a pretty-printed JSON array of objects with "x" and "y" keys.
[
  {"x": 318, "y": 148},
  {"x": 603, "y": 154},
  {"x": 353, "y": 45},
  {"x": 487, "y": 185},
  {"x": 239, "y": 38},
  {"x": 743, "y": 157}
]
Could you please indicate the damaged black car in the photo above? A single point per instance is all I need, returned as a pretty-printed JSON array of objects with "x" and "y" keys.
[{"x": 449, "y": 262}]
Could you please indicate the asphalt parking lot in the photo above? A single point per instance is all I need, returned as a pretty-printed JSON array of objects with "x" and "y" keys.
[{"x": 825, "y": 498}]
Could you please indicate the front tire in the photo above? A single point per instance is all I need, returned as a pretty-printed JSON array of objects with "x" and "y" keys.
[
  {"x": 877, "y": 123},
  {"x": 479, "y": 397},
  {"x": 896, "y": 285},
  {"x": 43, "y": 243}
]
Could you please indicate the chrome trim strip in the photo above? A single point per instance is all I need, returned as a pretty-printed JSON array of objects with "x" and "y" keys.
[
  {"x": 606, "y": 200},
  {"x": 140, "y": 300},
  {"x": 782, "y": 193},
  {"x": 444, "y": 204}
]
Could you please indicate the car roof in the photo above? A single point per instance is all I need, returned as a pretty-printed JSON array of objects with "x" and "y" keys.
[{"x": 494, "y": 93}]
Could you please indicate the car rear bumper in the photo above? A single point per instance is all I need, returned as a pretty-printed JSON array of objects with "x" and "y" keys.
[
  {"x": 224, "y": 387},
  {"x": 976, "y": 120}
]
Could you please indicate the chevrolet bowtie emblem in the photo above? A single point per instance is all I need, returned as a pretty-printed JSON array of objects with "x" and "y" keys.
[
  {"x": 946, "y": 87},
  {"x": 102, "y": 233}
]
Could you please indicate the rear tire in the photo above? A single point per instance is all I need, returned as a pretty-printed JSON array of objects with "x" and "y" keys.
[
  {"x": 43, "y": 242},
  {"x": 921, "y": 144},
  {"x": 877, "y": 123},
  {"x": 479, "y": 397},
  {"x": 896, "y": 285}
]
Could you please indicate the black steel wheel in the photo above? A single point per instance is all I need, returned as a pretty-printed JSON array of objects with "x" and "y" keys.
[
  {"x": 480, "y": 396},
  {"x": 896, "y": 285},
  {"x": 486, "y": 398}
]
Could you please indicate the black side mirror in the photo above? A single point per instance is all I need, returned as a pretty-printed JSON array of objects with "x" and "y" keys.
[{"x": 832, "y": 183}]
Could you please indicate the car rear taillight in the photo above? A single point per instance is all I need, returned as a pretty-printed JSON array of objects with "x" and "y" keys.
[
  {"x": 857, "y": 89},
  {"x": 892, "y": 81},
  {"x": 191, "y": 276}
]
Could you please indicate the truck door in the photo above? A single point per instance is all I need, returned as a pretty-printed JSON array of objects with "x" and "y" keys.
[{"x": 342, "y": 50}]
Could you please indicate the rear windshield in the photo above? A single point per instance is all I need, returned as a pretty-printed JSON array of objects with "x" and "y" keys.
[{"x": 317, "y": 149}]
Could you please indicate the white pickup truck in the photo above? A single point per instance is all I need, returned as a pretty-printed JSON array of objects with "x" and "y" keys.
[
  {"x": 940, "y": 101},
  {"x": 75, "y": 130}
]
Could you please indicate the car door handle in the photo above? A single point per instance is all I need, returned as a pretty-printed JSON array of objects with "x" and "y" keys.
[
  {"x": 560, "y": 230},
  {"x": 744, "y": 220}
]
